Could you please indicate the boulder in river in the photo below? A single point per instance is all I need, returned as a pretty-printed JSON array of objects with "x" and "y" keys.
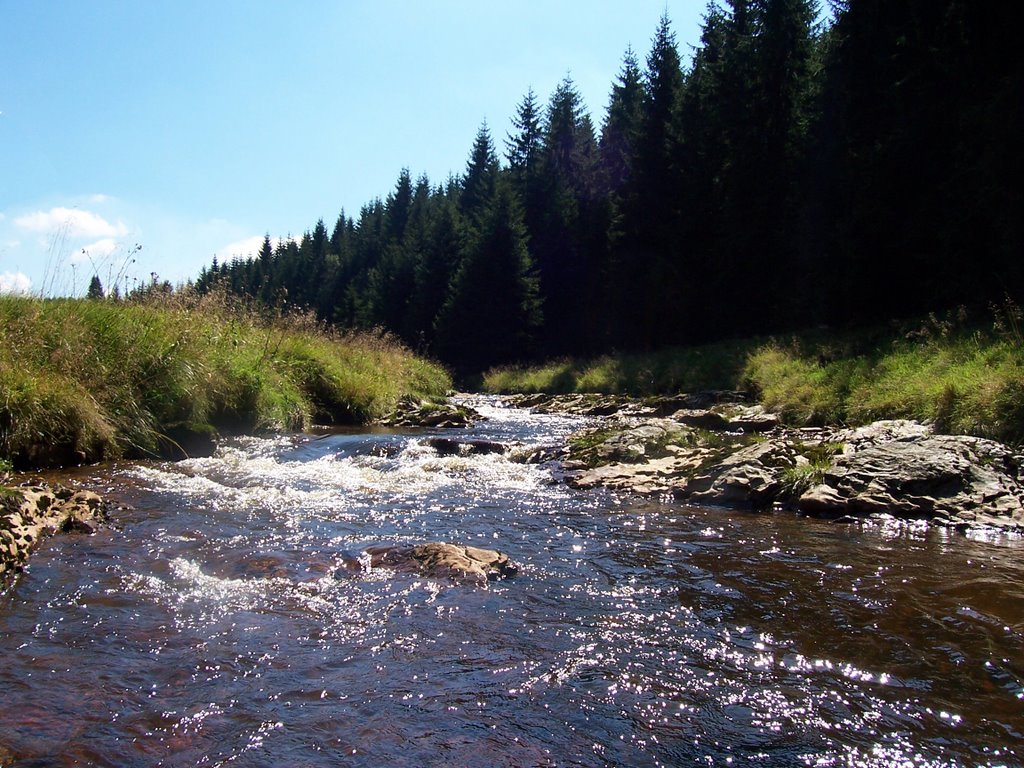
[
  {"x": 410, "y": 412},
  {"x": 29, "y": 512},
  {"x": 440, "y": 560},
  {"x": 903, "y": 470},
  {"x": 449, "y": 446}
]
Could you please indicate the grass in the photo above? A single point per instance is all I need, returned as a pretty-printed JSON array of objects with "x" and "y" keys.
[
  {"x": 83, "y": 379},
  {"x": 962, "y": 377},
  {"x": 810, "y": 471},
  {"x": 714, "y": 366}
]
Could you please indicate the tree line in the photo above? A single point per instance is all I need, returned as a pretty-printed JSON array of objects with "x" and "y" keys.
[{"x": 790, "y": 172}]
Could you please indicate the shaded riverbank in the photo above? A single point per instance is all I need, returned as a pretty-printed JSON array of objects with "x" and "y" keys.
[{"x": 963, "y": 376}]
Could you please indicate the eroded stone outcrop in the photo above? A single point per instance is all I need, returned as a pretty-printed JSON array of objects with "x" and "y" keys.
[
  {"x": 410, "y": 412},
  {"x": 901, "y": 469},
  {"x": 30, "y": 512},
  {"x": 440, "y": 560},
  {"x": 732, "y": 454}
]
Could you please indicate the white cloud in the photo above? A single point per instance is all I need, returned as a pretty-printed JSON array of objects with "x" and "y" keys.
[
  {"x": 97, "y": 251},
  {"x": 76, "y": 222},
  {"x": 14, "y": 282},
  {"x": 99, "y": 199},
  {"x": 250, "y": 246}
]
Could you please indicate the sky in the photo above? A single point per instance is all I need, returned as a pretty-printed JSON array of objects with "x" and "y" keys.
[{"x": 146, "y": 138}]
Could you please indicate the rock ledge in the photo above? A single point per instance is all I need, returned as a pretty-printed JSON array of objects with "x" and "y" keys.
[{"x": 30, "y": 512}]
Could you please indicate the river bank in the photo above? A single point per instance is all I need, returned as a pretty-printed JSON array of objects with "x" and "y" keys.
[
  {"x": 35, "y": 509},
  {"x": 964, "y": 375},
  {"x": 87, "y": 380}
]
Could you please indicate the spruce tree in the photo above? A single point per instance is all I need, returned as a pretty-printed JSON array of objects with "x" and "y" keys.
[
  {"x": 95, "y": 288},
  {"x": 493, "y": 312},
  {"x": 622, "y": 125},
  {"x": 478, "y": 183}
]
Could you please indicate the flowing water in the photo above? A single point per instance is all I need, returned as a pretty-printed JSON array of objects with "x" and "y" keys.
[{"x": 226, "y": 620}]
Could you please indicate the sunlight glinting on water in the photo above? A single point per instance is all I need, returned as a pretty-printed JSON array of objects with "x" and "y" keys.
[{"x": 250, "y": 628}]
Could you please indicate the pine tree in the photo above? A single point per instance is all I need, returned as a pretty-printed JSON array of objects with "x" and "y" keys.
[
  {"x": 436, "y": 267},
  {"x": 523, "y": 148},
  {"x": 95, "y": 288},
  {"x": 622, "y": 125},
  {"x": 644, "y": 251}
]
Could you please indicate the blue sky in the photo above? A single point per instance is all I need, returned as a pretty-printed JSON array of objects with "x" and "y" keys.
[{"x": 191, "y": 128}]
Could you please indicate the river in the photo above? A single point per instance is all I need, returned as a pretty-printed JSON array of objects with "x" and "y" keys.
[{"x": 215, "y": 624}]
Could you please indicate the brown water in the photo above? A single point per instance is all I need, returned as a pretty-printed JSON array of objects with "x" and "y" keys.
[{"x": 214, "y": 626}]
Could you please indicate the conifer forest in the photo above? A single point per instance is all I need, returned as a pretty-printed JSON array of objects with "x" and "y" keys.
[{"x": 797, "y": 166}]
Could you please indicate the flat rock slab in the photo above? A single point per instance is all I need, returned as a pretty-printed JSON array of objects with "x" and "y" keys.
[
  {"x": 410, "y": 412},
  {"x": 445, "y": 561}
]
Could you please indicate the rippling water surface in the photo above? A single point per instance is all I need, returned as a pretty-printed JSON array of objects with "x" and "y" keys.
[{"x": 226, "y": 621}]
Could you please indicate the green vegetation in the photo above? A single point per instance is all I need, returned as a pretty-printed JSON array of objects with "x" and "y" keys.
[
  {"x": 713, "y": 366},
  {"x": 817, "y": 459},
  {"x": 87, "y": 379},
  {"x": 962, "y": 379}
]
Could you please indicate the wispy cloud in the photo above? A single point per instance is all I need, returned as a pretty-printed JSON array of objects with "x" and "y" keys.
[
  {"x": 250, "y": 246},
  {"x": 97, "y": 251},
  {"x": 14, "y": 282},
  {"x": 75, "y": 221}
]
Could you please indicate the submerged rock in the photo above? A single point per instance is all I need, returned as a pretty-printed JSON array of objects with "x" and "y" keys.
[
  {"x": 446, "y": 561},
  {"x": 448, "y": 446}
]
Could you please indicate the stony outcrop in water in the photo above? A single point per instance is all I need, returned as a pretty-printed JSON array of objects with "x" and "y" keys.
[
  {"x": 30, "y": 512},
  {"x": 902, "y": 469},
  {"x": 734, "y": 454},
  {"x": 445, "y": 561},
  {"x": 410, "y": 412}
]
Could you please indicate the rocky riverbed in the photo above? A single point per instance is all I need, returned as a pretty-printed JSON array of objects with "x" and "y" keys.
[
  {"x": 715, "y": 449},
  {"x": 711, "y": 449}
]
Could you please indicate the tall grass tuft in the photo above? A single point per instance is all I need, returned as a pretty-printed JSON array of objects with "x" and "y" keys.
[{"x": 86, "y": 379}]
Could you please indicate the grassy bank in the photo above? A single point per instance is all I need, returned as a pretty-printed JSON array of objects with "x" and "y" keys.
[
  {"x": 964, "y": 379},
  {"x": 83, "y": 380},
  {"x": 715, "y": 366}
]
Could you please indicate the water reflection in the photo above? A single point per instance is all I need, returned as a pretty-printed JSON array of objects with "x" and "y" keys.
[{"x": 223, "y": 625}]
